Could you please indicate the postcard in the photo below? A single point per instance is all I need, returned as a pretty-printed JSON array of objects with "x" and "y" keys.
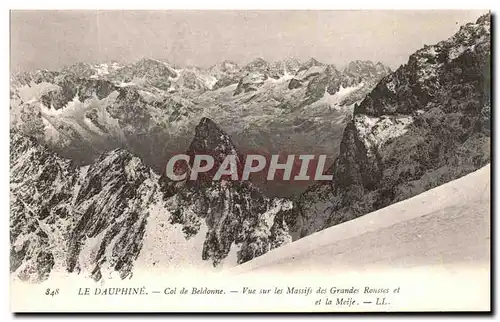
[{"x": 250, "y": 161}]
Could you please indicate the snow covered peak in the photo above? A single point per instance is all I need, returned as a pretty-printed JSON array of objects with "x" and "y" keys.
[
  {"x": 310, "y": 63},
  {"x": 226, "y": 66},
  {"x": 38, "y": 76},
  {"x": 366, "y": 67},
  {"x": 288, "y": 66},
  {"x": 152, "y": 69},
  {"x": 115, "y": 156},
  {"x": 291, "y": 60},
  {"x": 258, "y": 64},
  {"x": 80, "y": 69},
  {"x": 465, "y": 39}
]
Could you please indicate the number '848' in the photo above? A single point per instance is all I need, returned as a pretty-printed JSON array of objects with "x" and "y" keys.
[{"x": 53, "y": 292}]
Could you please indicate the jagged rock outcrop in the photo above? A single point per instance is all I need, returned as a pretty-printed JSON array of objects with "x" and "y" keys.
[
  {"x": 423, "y": 125},
  {"x": 237, "y": 216}
]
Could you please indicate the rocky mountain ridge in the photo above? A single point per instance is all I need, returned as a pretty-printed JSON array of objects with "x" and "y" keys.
[
  {"x": 57, "y": 207},
  {"x": 93, "y": 219},
  {"x": 423, "y": 125}
]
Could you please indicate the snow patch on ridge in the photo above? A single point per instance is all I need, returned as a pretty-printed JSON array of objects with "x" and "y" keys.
[
  {"x": 335, "y": 100},
  {"x": 375, "y": 131},
  {"x": 208, "y": 80},
  {"x": 165, "y": 247},
  {"x": 88, "y": 253}
]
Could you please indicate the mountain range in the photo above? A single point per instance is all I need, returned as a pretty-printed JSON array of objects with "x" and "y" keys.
[
  {"x": 89, "y": 145},
  {"x": 151, "y": 108}
]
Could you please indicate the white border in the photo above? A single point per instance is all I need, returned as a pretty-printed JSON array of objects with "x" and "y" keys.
[
  {"x": 255, "y": 4},
  {"x": 184, "y": 4}
]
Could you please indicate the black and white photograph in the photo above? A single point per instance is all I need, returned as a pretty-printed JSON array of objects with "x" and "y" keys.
[{"x": 250, "y": 160}]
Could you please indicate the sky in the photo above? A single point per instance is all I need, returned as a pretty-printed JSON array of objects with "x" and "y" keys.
[{"x": 53, "y": 39}]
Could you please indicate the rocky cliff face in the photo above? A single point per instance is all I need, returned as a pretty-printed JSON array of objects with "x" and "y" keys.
[
  {"x": 57, "y": 209},
  {"x": 423, "y": 125},
  {"x": 113, "y": 201},
  {"x": 41, "y": 215}
]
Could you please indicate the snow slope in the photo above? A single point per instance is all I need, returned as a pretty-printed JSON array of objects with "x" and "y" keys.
[
  {"x": 445, "y": 229},
  {"x": 447, "y": 225}
]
